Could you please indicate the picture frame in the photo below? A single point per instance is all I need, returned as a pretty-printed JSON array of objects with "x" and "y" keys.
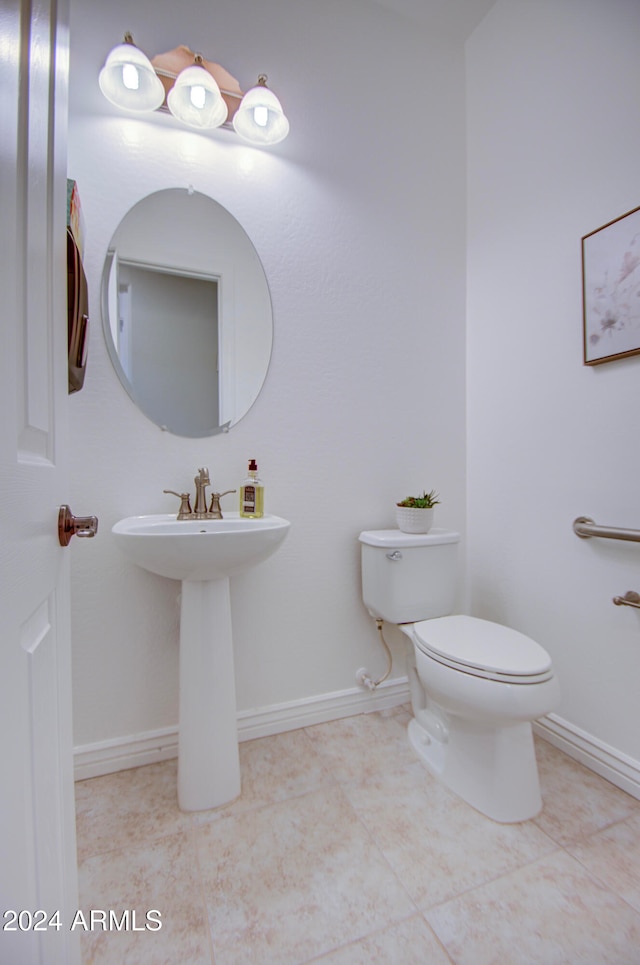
[{"x": 611, "y": 290}]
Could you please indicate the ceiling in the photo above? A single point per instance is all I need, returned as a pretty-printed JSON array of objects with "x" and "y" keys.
[{"x": 456, "y": 18}]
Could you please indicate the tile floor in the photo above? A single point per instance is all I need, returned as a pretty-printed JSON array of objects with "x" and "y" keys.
[{"x": 343, "y": 850}]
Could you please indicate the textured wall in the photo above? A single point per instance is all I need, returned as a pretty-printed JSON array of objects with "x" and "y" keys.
[
  {"x": 553, "y": 154},
  {"x": 359, "y": 221}
]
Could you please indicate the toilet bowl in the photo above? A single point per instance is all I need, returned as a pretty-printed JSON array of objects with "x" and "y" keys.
[{"x": 475, "y": 685}]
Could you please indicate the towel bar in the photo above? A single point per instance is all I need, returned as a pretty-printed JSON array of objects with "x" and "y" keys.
[
  {"x": 631, "y": 598},
  {"x": 585, "y": 528}
]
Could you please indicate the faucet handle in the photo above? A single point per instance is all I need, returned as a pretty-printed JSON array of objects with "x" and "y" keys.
[
  {"x": 214, "y": 510},
  {"x": 185, "y": 503}
]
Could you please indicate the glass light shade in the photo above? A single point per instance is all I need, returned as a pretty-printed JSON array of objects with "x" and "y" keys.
[
  {"x": 260, "y": 118},
  {"x": 129, "y": 81},
  {"x": 195, "y": 99}
]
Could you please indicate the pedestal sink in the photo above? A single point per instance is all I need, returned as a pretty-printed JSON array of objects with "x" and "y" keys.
[{"x": 203, "y": 554}]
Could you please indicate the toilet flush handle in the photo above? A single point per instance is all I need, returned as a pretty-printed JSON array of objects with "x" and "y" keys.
[{"x": 396, "y": 555}]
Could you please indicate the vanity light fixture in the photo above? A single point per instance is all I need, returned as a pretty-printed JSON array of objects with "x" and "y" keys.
[
  {"x": 128, "y": 79},
  {"x": 260, "y": 118},
  {"x": 198, "y": 92},
  {"x": 195, "y": 98}
]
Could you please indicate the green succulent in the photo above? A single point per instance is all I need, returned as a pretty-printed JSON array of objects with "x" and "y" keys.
[{"x": 426, "y": 501}]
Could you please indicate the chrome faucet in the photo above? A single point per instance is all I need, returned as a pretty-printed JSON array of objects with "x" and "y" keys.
[
  {"x": 201, "y": 481},
  {"x": 200, "y": 510}
]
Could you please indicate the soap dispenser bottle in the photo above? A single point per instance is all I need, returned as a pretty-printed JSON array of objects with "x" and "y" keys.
[{"x": 252, "y": 493}]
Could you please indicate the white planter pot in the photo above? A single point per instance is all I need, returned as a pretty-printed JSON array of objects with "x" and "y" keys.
[{"x": 413, "y": 520}]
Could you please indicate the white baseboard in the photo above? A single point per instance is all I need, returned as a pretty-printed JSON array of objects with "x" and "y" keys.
[
  {"x": 134, "y": 750},
  {"x": 621, "y": 770}
]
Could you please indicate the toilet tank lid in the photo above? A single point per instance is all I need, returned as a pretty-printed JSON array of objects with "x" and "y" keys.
[{"x": 396, "y": 538}]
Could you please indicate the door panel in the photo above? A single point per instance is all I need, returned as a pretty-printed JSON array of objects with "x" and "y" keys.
[{"x": 37, "y": 837}]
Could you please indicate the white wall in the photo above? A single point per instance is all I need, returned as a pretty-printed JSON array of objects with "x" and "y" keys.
[
  {"x": 553, "y": 148},
  {"x": 359, "y": 221}
]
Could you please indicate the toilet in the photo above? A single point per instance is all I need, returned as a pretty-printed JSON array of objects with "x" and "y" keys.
[{"x": 475, "y": 685}]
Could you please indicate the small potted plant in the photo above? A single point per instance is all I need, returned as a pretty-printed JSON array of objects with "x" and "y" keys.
[{"x": 415, "y": 513}]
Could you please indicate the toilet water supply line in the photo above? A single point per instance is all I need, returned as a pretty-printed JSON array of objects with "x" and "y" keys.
[{"x": 363, "y": 677}]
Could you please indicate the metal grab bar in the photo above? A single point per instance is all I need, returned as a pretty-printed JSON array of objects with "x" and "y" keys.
[
  {"x": 631, "y": 598},
  {"x": 585, "y": 528}
]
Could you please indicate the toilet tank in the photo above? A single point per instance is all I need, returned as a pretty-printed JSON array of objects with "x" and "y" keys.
[{"x": 409, "y": 577}]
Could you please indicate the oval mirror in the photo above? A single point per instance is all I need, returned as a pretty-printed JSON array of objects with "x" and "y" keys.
[{"x": 186, "y": 313}]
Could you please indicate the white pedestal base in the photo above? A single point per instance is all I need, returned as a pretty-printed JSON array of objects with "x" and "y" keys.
[{"x": 208, "y": 761}]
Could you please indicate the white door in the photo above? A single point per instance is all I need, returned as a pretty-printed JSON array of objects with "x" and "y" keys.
[{"x": 37, "y": 831}]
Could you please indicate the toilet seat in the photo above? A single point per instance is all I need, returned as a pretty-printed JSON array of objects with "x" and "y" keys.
[{"x": 483, "y": 649}]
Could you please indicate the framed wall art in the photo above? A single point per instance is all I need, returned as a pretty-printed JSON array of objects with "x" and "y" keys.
[{"x": 611, "y": 290}]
